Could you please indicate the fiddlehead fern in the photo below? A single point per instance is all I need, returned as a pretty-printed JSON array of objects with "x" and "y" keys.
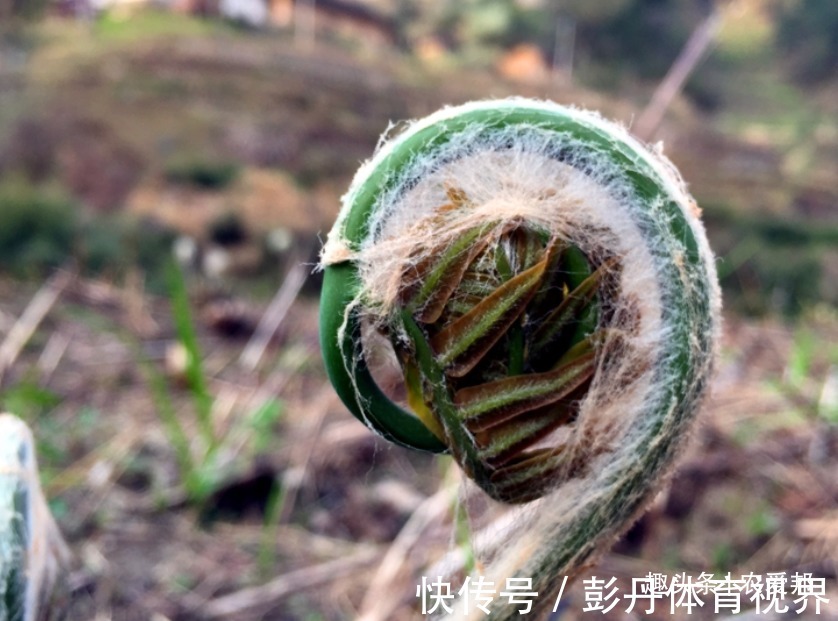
[{"x": 547, "y": 286}]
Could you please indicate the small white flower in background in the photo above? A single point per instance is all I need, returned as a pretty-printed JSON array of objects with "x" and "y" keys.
[
  {"x": 280, "y": 239},
  {"x": 32, "y": 552},
  {"x": 185, "y": 249},
  {"x": 216, "y": 262}
]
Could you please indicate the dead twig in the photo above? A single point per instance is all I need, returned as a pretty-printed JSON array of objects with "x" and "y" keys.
[
  {"x": 385, "y": 593},
  {"x": 32, "y": 316},
  {"x": 294, "y": 477},
  {"x": 255, "y": 601},
  {"x": 126, "y": 307},
  {"x": 693, "y": 52},
  {"x": 268, "y": 324},
  {"x": 52, "y": 354}
]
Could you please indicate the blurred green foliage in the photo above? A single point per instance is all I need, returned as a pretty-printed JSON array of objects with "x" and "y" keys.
[
  {"x": 811, "y": 368},
  {"x": 42, "y": 228},
  {"x": 770, "y": 264},
  {"x": 807, "y": 35},
  {"x": 482, "y": 24},
  {"x": 21, "y": 9},
  {"x": 613, "y": 40},
  {"x": 112, "y": 245},
  {"x": 28, "y": 400},
  {"x": 203, "y": 454},
  {"x": 501, "y": 22},
  {"x": 111, "y": 25},
  {"x": 39, "y": 228},
  {"x": 202, "y": 172},
  {"x": 642, "y": 37}
]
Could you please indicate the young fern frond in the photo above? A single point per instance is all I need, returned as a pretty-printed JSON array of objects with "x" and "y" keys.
[{"x": 547, "y": 286}]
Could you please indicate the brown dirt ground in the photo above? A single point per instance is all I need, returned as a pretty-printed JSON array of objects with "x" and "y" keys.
[{"x": 756, "y": 491}]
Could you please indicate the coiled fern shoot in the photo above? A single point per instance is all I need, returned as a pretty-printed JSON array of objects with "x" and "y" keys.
[{"x": 548, "y": 289}]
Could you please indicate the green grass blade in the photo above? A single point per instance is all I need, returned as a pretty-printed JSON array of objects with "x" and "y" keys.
[
  {"x": 195, "y": 375},
  {"x": 175, "y": 432}
]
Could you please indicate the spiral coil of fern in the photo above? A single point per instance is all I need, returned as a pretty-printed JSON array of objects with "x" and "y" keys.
[{"x": 547, "y": 286}]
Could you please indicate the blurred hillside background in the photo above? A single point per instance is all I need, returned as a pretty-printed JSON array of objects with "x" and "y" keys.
[{"x": 189, "y": 443}]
